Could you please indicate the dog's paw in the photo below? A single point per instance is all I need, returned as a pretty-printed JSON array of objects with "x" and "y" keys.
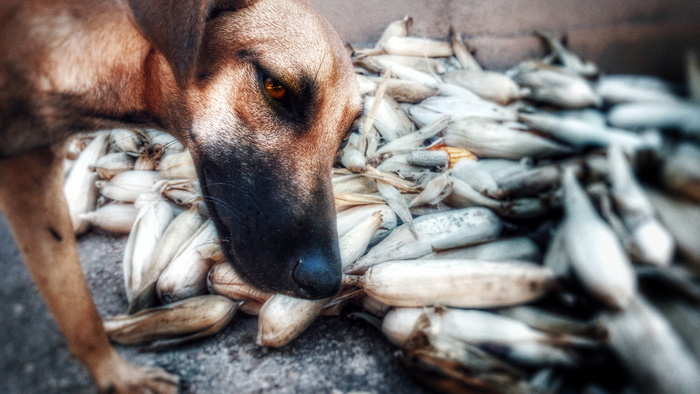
[{"x": 123, "y": 377}]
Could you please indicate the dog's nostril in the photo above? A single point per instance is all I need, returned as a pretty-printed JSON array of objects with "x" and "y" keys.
[{"x": 316, "y": 279}]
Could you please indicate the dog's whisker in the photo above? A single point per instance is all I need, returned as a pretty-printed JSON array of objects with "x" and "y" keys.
[{"x": 230, "y": 208}]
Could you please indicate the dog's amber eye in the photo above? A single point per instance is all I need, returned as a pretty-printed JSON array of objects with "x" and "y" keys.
[{"x": 274, "y": 88}]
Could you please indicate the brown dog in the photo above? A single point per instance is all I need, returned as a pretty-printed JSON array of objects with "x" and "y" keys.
[{"x": 261, "y": 92}]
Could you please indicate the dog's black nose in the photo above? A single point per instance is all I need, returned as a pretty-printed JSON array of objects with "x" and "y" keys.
[{"x": 316, "y": 278}]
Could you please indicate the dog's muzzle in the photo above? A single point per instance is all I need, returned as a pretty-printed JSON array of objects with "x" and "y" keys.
[{"x": 275, "y": 241}]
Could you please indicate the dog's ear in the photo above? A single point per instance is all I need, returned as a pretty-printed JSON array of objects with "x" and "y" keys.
[{"x": 176, "y": 28}]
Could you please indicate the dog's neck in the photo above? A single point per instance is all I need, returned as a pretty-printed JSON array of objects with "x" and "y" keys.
[{"x": 115, "y": 78}]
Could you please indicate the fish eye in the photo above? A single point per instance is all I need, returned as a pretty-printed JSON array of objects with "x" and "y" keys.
[{"x": 274, "y": 88}]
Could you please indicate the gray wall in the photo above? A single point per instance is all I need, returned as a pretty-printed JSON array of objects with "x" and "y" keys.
[{"x": 642, "y": 36}]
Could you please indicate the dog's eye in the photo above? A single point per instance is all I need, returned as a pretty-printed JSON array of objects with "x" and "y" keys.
[{"x": 274, "y": 88}]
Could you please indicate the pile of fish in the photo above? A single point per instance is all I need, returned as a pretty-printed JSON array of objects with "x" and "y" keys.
[{"x": 526, "y": 231}]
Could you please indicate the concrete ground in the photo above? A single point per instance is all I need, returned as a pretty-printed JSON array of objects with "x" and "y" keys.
[{"x": 335, "y": 355}]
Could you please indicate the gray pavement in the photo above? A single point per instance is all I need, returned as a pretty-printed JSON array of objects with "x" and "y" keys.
[{"x": 335, "y": 355}]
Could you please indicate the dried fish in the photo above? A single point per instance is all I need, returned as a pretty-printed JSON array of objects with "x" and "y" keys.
[
  {"x": 173, "y": 324},
  {"x": 532, "y": 181},
  {"x": 582, "y": 134},
  {"x": 224, "y": 280},
  {"x": 551, "y": 86},
  {"x": 489, "y": 85},
  {"x": 417, "y": 46},
  {"x": 353, "y": 217},
  {"x": 451, "y": 366},
  {"x": 434, "y": 192},
  {"x": 354, "y": 242},
  {"x": 554, "y": 323},
  {"x": 414, "y": 140},
  {"x": 149, "y": 226},
  {"x": 117, "y": 218},
  {"x": 436, "y": 231},
  {"x": 128, "y": 185},
  {"x": 653, "y": 243},
  {"x": 393, "y": 198},
  {"x": 177, "y": 166},
  {"x": 177, "y": 233},
  {"x": 657, "y": 115},
  {"x": 639, "y": 323},
  {"x": 473, "y": 173},
  {"x": 458, "y": 283},
  {"x": 462, "y": 195},
  {"x": 397, "y": 28},
  {"x": 390, "y": 120},
  {"x": 399, "y": 164},
  {"x": 458, "y": 108},
  {"x": 515, "y": 248},
  {"x": 353, "y": 159},
  {"x": 79, "y": 188},
  {"x": 508, "y": 337},
  {"x": 185, "y": 276},
  {"x": 404, "y": 91},
  {"x": 623, "y": 88},
  {"x": 471, "y": 326},
  {"x": 486, "y": 138},
  {"x": 425, "y": 65},
  {"x": 407, "y": 73},
  {"x": 462, "y": 53},
  {"x": 594, "y": 251},
  {"x": 283, "y": 318},
  {"x": 112, "y": 164}
]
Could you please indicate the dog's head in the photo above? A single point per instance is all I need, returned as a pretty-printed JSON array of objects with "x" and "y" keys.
[{"x": 271, "y": 94}]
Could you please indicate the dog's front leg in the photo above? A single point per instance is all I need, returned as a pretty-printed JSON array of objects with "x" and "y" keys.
[{"x": 31, "y": 196}]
